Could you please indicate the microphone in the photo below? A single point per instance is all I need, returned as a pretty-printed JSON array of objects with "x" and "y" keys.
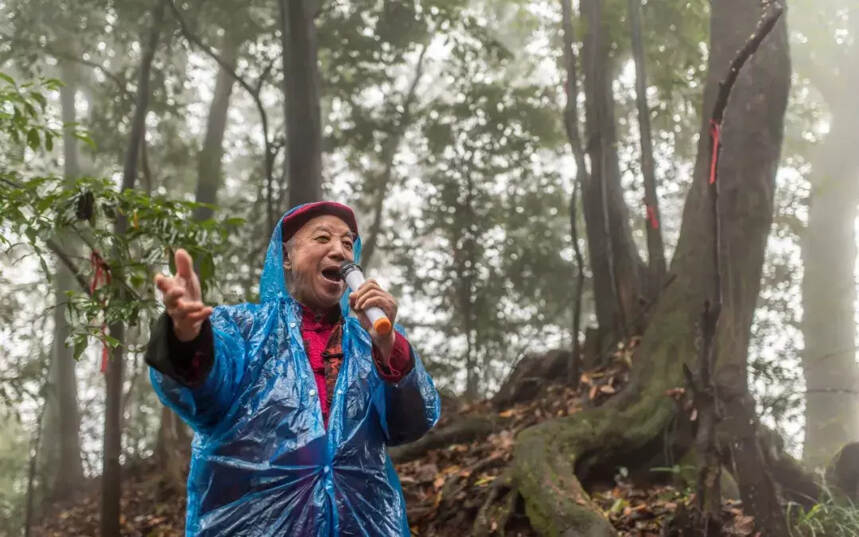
[{"x": 354, "y": 277}]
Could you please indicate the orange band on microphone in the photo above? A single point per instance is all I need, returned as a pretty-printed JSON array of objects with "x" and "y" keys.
[{"x": 382, "y": 326}]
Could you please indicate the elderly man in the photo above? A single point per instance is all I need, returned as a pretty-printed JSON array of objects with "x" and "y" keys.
[{"x": 292, "y": 402}]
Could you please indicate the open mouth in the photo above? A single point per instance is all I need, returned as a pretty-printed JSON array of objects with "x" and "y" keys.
[{"x": 331, "y": 274}]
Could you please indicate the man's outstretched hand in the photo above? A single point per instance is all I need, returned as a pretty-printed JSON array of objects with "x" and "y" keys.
[{"x": 182, "y": 298}]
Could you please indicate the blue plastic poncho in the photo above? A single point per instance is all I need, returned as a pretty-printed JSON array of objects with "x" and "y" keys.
[{"x": 262, "y": 461}]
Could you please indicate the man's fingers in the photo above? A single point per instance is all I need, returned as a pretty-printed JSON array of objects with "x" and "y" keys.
[
  {"x": 383, "y": 301},
  {"x": 374, "y": 298},
  {"x": 198, "y": 316},
  {"x": 184, "y": 264},
  {"x": 186, "y": 306},
  {"x": 366, "y": 287},
  {"x": 172, "y": 296},
  {"x": 163, "y": 283},
  {"x": 183, "y": 308}
]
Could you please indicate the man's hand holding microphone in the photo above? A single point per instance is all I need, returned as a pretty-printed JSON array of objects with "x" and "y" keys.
[{"x": 376, "y": 308}]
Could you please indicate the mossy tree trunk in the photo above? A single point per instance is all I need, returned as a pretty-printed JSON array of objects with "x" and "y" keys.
[{"x": 552, "y": 458}]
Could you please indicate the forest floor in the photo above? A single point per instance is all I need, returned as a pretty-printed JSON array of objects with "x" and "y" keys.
[{"x": 444, "y": 489}]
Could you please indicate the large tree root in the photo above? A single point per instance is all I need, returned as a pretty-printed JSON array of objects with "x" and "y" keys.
[
  {"x": 498, "y": 507},
  {"x": 547, "y": 457},
  {"x": 460, "y": 431}
]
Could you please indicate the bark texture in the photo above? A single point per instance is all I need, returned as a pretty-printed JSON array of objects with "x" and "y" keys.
[
  {"x": 615, "y": 264},
  {"x": 209, "y": 166},
  {"x": 571, "y": 126},
  {"x": 550, "y": 458},
  {"x": 751, "y": 149},
  {"x": 303, "y": 164},
  {"x": 111, "y": 481},
  {"x": 655, "y": 246},
  {"x": 61, "y": 450}
]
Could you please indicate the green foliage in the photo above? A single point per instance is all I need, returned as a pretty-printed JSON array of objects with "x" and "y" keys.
[
  {"x": 13, "y": 475},
  {"x": 38, "y": 209},
  {"x": 22, "y": 110},
  {"x": 832, "y": 516},
  {"x": 484, "y": 202}
]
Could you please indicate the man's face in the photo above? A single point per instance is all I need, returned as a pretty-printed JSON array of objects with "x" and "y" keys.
[{"x": 313, "y": 261}]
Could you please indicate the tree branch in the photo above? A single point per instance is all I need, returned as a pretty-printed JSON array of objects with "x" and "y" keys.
[
  {"x": 67, "y": 261},
  {"x": 389, "y": 153},
  {"x": 222, "y": 63},
  {"x": 253, "y": 90},
  {"x": 120, "y": 83},
  {"x": 773, "y": 10}
]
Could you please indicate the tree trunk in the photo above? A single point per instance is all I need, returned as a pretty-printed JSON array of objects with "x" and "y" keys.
[
  {"x": 173, "y": 450},
  {"x": 303, "y": 164},
  {"x": 571, "y": 125},
  {"x": 655, "y": 247},
  {"x": 62, "y": 463},
  {"x": 209, "y": 165},
  {"x": 828, "y": 284},
  {"x": 615, "y": 264},
  {"x": 751, "y": 150},
  {"x": 111, "y": 479},
  {"x": 549, "y": 457}
]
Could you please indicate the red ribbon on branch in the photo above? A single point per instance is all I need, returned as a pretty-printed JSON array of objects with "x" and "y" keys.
[
  {"x": 715, "y": 134},
  {"x": 100, "y": 277},
  {"x": 651, "y": 216}
]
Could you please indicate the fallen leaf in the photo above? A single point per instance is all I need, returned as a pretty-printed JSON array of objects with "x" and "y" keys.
[{"x": 676, "y": 393}]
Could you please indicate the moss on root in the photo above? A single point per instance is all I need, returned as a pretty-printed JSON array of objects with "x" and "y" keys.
[{"x": 547, "y": 455}]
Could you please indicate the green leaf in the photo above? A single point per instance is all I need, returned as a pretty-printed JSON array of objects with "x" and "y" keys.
[
  {"x": 39, "y": 98},
  {"x": 83, "y": 137},
  {"x": 207, "y": 267},
  {"x": 7, "y": 78},
  {"x": 80, "y": 346},
  {"x": 33, "y": 139},
  {"x": 44, "y": 266}
]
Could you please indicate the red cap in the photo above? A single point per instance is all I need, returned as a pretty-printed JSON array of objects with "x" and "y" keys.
[{"x": 299, "y": 216}]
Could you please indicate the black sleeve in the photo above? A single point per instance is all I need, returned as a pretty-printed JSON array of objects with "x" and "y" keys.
[{"x": 186, "y": 362}]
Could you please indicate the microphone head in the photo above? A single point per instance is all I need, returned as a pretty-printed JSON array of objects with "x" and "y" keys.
[{"x": 347, "y": 266}]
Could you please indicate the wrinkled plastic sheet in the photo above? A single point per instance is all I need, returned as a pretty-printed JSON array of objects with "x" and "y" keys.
[{"x": 262, "y": 460}]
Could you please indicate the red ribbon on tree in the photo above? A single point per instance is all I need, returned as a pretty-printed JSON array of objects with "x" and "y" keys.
[
  {"x": 715, "y": 133},
  {"x": 101, "y": 276},
  {"x": 651, "y": 216}
]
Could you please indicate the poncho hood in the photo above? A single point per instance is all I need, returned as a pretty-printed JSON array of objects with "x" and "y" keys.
[{"x": 272, "y": 283}]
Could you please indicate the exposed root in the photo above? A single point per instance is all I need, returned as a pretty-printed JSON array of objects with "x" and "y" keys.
[
  {"x": 499, "y": 506},
  {"x": 460, "y": 431}
]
